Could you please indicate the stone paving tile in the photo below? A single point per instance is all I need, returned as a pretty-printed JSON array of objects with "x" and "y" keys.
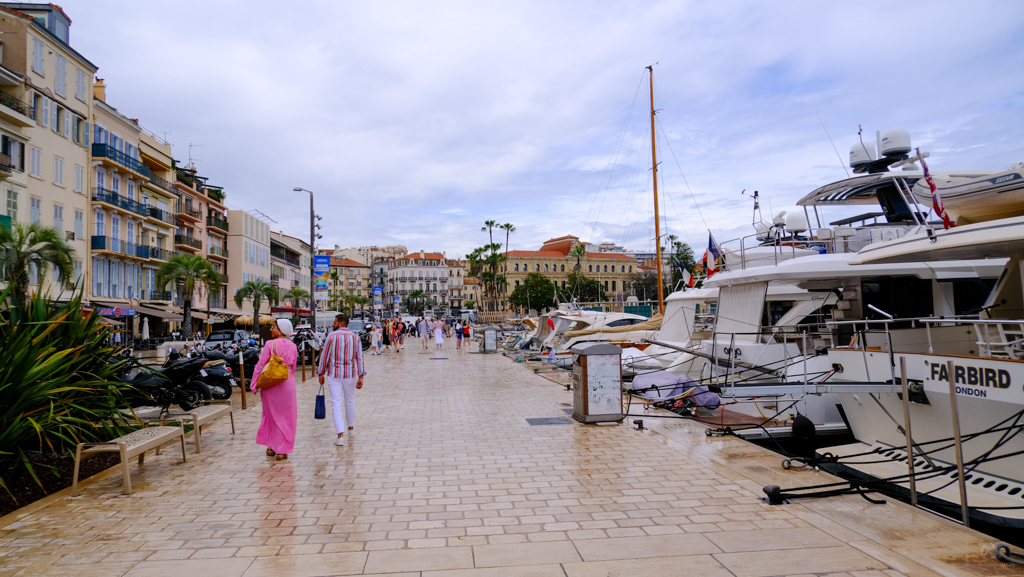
[{"x": 444, "y": 477}]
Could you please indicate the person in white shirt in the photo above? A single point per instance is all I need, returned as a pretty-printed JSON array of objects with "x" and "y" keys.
[
  {"x": 458, "y": 335},
  {"x": 424, "y": 329}
]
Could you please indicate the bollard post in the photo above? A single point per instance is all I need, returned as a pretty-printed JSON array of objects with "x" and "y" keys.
[
  {"x": 906, "y": 426},
  {"x": 303, "y": 353},
  {"x": 241, "y": 370},
  {"x": 959, "y": 448}
]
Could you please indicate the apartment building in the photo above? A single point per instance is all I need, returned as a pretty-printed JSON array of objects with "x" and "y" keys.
[
  {"x": 160, "y": 197},
  {"x": 291, "y": 263},
  {"x": 45, "y": 112},
  {"x": 248, "y": 241},
  {"x": 422, "y": 271},
  {"x": 554, "y": 261},
  {"x": 353, "y": 278},
  {"x": 456, "y": 283}
]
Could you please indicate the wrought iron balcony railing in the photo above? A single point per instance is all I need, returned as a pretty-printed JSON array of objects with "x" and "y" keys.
[
  {"x": 219, "y": 251},
  {"x": 117, "y": 245},
  {"x": 217, "y": 223},
  {"x": 163, "y": 215},
  {"x": 187, "y": 210},
  {"x": 100, "y": 150},
  {"x": 15, "y": 104},
  {"x": 111, "y": 197},
  {"x": 161, "y": 253},
  {"x": 186, "y": 240},
  {"x": 162, "y": 183},
  {"x": 155, "y": 295}
]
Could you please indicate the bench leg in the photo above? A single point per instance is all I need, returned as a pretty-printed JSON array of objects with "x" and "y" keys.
[
  {"x": 184, "y": 458},
  {"x": 197, "y": 431},
  {"x": 142, "y": 458},
  {"x": 232, "y": 415},
  {"x": 125, "y": 473},
  {"x": 78, "y": 461}
]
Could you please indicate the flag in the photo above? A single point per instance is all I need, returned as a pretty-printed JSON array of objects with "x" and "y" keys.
[
  {"x": 688, "y": 278},
  {"x": 713, "y": 248},
  {"x": 940, "y": 209},
  {"x": 551, "y": 323},
  {"x": 715, "y": 255}
]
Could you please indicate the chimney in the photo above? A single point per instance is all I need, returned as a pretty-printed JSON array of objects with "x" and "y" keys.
[
  {"x": 423, "y": 254},
  {"x": 99, "y": 90}
]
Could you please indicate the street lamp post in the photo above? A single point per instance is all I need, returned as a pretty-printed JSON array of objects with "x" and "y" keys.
[{"x": 313, "y": 217}]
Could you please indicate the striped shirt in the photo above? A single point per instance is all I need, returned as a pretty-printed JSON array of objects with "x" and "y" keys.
[{"x": 342, "y": 357}]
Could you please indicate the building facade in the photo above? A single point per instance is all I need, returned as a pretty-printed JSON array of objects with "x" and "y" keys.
[
  {"x": 45, "y": 114},
  {"x": 353, "y": 279},
  {"x": 422, "y": 271},
  {"x": 160, "y": 197},
  {"x": 248, "y": 244},
  {"x": 291, "y": 265},
  {"x": 456, "y": 283}
]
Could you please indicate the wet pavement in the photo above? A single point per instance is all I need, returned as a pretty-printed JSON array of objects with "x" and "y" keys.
[{"x": 447, "y": 477}]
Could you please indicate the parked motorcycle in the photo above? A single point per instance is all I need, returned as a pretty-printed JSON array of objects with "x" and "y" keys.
[
  {"x": 224, "y": 368},
  {"x": 176, "y": 382}
]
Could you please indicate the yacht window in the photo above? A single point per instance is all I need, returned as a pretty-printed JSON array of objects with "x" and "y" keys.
[
  {"x": 773, "y": 311},
  {"x": 969, "y": 295},
  {"x": 620, "y": 323},
  {"x": 901, "y": 297}
]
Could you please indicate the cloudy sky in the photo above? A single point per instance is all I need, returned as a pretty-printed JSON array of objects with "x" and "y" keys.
[{"x": 414, "y": 122}]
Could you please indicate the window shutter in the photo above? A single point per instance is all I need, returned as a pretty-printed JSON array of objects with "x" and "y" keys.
[
  {"x": 67, "y": 123},
  {"x": 86, "y": 133},
  {"x": 46, "y": 111},
  {"x": 21, "y": 156}
]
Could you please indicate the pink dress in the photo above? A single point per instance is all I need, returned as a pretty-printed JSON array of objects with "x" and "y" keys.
[{"x": 280, "y": 407}]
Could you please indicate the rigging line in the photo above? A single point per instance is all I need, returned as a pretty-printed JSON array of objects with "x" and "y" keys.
[
  {"x": 839, "y": 156},
  {"x": 669, "y": 197},
  {"x": 616, "y": 149},
  {"x": 690, "y": 190},
  {"x": 633, "y": 186}
]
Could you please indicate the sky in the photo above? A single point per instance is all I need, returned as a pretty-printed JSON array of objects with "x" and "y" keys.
[{"x": 415, "y": 122}]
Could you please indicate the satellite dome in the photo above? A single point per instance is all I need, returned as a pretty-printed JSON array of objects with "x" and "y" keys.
[
  {"x": 895, "y": 142},
  {"x": 862, "y": 153}
]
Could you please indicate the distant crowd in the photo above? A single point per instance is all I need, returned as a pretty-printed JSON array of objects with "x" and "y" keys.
[{"x": 392, "y": 333}]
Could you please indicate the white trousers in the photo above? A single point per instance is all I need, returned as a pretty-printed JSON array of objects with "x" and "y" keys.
[{"x": 342, "y": 389}]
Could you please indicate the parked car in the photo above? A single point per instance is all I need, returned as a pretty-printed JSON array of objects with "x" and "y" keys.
[{"x": 221, "y": 340}]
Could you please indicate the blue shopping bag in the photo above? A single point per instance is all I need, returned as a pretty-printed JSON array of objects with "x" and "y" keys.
[{"x": 321, "y": 405}]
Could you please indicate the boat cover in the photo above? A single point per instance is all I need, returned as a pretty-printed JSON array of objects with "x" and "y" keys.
[
  {"x": 651, "y": 324},
  {"x": 660, "y": 386}
]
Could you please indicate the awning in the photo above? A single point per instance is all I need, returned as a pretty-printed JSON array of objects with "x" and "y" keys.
[
  {"x": 651, "y": 324},
  {"x": 165, "y": 315},
  {"x": 171, "y": 309},
  {"x": 111, "y": 322},
  {"x": 226, "y": 313}
]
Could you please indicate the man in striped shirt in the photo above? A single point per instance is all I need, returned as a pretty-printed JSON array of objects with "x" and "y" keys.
[{"x": 341, "y": 365}]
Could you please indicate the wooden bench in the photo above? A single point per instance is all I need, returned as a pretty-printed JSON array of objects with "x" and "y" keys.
[
  {"x": 133, "y": 444},
  {"x": 205, "y": 415}
]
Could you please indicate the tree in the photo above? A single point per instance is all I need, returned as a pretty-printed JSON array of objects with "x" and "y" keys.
[
  {"x": 257, "y": 290},
  {"x": 577, "y": 252},
  {"x": 489, "y": 226},
  {"x": 535, "y": 293},
  {"x": 417, "y": 302},
  {"x": 297, "y": 295},
  {"x": 192, "y": 275},
  {"x": 643, "y": 284},
  {"x": 581, "y": 289},
  {"x": 23, "y": 247},
  {"x": 335, "y": 278},
  {"x": 509, "y": 228},
  {"x": 682, "y": 256},
  {"x": 468, "y": 305}
]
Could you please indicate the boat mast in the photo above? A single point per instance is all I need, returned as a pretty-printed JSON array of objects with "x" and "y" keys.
[{"x": 657, "y": 219}]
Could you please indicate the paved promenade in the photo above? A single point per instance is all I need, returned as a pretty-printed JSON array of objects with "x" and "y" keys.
[{"x": 445, "y": 477}]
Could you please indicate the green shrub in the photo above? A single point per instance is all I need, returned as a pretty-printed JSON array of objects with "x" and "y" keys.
[{"x": 58, "y": 386}]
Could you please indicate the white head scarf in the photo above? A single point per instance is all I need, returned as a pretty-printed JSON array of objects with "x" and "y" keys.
[{"x": 285, "y": 326}]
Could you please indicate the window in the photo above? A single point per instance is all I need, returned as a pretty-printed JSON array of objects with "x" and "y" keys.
[
  {"x": 563, "y": 284},
  {"x": 58, "y": 217},
  {"x": 14, "y": 149},
  {"x": 55, "y": 114},
  {"x": 538, "y": 267},
  {"x": 79, "y": 218},
  {"x": 630, "y": 269},
  {"x": 67, "y": 123},
  {"x": 78, "y": 271},
  {"x": 545, "y": 268},
  {"x": 36, "y": 209},
  {"x": 46, "y": 111},
  {"x": 37, "y": 160},
  {"x": 58, "y": 171},
  {"x": 606, "y": 269},
  {"x": 590, "y": 268},
  {"x": 115, "y": 227},
  {"x": 80, "y": 84},
  {"x": 130, "y": 232},
  {"x": 33, "y": 273},
  {"x": 131, "y": 190},
  {"x": 79, "y": 178},
  {"x": 60, "y": 81},
  {"x": 12, "y": 204},
  {"x": 101, "y": 223},
  {"x": 613, "y": 286},
  {"x": 613, "y": 268},
  {"x": 517, "y": 283},
  {"x": 263, "y": 257},
  {"x": 563, "y": 268},
  {"x": 37, "y": 56}
]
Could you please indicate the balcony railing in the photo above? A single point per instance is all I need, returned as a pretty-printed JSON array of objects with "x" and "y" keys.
[
  {"x": 163, "y": 215},
  {"x": 100, "y": 150},
  {"x": 217, "y": 301},
  {"x": 223, "y": 279},
  {"x": 217, "y": 223},
  {"x": 186, "y": 209},
  {"x": 116, "y": 245},
  {"x": 284, "y": 257},
  {"x": 188, "y": 241},
  {"x": 154, "y": 295},
  {"x": 111, "y": 197},
  {"x": 141, "y": 251},
  {"x": 219, "y": 251},
  {"x": 274, "y": 278},
  {"x": 161, "y": 253},
  {"x": 6, "y": 164},
  {"x": 15, "y": 104},
  {"x": 162, "y": 183}
]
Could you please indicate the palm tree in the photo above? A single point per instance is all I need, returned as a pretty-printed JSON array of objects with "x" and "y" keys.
[
  {"x": 578, "y": 252},
  {"x": 296, "y": 295},
  {"x": 26, "y": 245},
  {"x": 191, "y": 274},
  {"x": 335, "y": 276},
  {"x": 257, "y": 289},
  {"x": 509, "y": 228},
  {"x": 489, "y": 226}
]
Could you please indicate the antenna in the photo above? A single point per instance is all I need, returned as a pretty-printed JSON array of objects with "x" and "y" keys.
[{"x": 191, "y": 161}]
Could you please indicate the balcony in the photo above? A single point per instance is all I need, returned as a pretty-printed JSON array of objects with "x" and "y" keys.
[
  {"x": 188, "y": 242},
  {"x": 217, "y": 301},
  {"x": 185, "y": 209},
  {"x": 274, "y": 278},
  {"x": 217, "y": 223},
  {"x": 126, "y": 204},
  {"x": 163, "y": 183},
  {"x": 160, "y": 253},
  {"x": 155, "y": 295},
  {"x": 223, "y": 280},
  {"x": 115, "y": 157},
  {"x": 284, "y": 257},
  {"x": 118, "y": 246},
  {"x": 6, "y": 164},
  {"x": 218, "y": 251},
  {"x": 163, "y": 216},
  {"x": 12, "y": 105}
]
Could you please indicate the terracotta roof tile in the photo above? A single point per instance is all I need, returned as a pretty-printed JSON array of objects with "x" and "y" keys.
[
  {"x": 609, "y": 255},
  {"x": 535, "y": 254},
  {"x": 347, "y": 262}
]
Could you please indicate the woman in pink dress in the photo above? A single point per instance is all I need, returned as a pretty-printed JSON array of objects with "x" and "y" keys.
[{"x": 280, "y": 407}]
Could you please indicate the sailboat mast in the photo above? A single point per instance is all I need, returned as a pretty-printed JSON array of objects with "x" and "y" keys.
[{"x": 657, "y": 218}]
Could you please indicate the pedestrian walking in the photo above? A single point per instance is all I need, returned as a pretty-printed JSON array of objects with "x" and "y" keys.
[
  {"x": 424, "y": 330},
  {"x": 280, "y": 408},
  {"x": 439, "y": 333},
  {"x": 341, "y": 365},
  {"x": 401, "y": 334},
  {"x": 466, "y": 334},
  {"x": 375, "y": 339},
  {"x": 386, "y": 331},
  {"x": 458, "y": 335}
]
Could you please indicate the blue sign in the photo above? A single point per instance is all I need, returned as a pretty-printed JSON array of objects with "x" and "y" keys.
[{"x": 321, "y": 272}]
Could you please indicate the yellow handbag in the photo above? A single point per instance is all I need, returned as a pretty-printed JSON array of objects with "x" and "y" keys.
[{"x": 274, "y": 372}]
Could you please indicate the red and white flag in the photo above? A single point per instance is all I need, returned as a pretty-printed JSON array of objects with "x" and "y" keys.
[
  {"x": 940, "y": 209},
  {"x": 688, "y": 278}
]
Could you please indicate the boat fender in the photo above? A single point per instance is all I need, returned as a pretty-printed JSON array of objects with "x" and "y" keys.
[{"x": 803, "y": 428}]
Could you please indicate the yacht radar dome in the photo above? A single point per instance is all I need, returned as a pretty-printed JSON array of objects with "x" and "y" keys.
[
  {"x": 862, "y": 154},
  {"x": 895, "y": 142}
]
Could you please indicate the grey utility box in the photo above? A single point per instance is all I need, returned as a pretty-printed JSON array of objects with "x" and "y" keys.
[{"x": 597, "y": 383}]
